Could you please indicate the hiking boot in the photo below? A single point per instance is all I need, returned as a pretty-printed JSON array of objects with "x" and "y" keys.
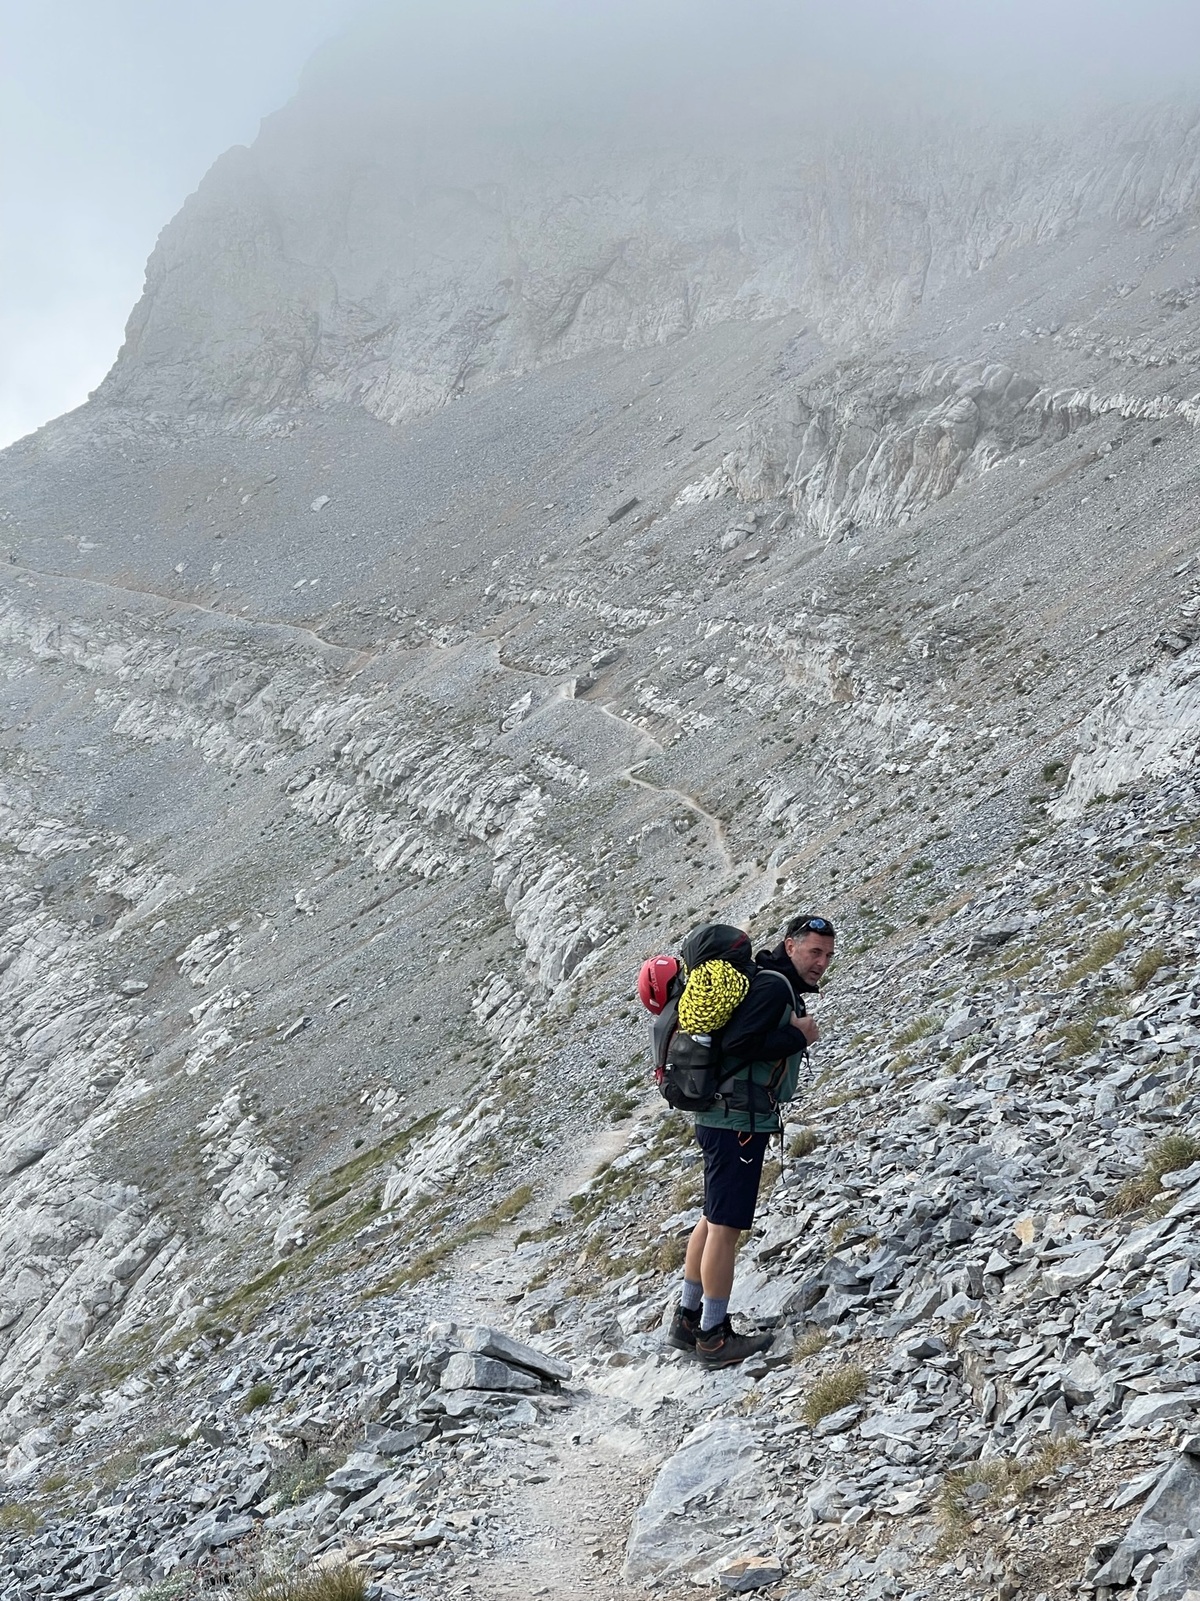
[
  {"x": 722, "y": 1348},
  {"x": 685, "y": 1325}
]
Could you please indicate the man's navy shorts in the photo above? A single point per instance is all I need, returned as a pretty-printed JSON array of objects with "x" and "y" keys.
[{"x": 732, "y": 1169}]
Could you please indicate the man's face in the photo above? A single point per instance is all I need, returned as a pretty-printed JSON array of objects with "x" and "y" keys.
[{"x": 810, "y": 954}]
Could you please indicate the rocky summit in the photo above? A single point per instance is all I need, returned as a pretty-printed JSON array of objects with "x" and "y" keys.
[{"x": 504, "y": 542}]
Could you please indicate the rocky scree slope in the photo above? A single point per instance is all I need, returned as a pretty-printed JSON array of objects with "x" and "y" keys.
[
  {"x": 983, "y": 1376},
  {"x": 349, "y": 770}
]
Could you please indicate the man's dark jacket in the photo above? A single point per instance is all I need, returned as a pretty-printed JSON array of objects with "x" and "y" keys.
[{"x": 758, "y": 1039}]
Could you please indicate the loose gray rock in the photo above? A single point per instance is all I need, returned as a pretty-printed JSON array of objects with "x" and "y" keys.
[
  {"x": 360, "y": 1472},
  {"x": 742, "y": 1574},
  {"x": 491, "y": 1342},
  {"x": 469, "y": 1371}
]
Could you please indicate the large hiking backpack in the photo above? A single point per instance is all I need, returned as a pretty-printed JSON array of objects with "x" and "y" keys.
[{"x": 692, "y": 1005}]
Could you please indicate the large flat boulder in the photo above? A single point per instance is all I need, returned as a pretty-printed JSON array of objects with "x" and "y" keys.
[
  {"x": 491, "y": 1342},
  {"x": 711, "y": 1480}
]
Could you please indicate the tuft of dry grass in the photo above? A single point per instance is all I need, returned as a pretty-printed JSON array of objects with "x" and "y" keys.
[
  {"x": 18, "y": 1519},
  {"x": 966, "y": 1491},
  {"x": 669, "y": 1255},
  {"x": 1147, "y": 964},
  {"x": 809, "y": 1344},
  {"x": 1168, "y": 1155},
  {"x": 345, "y": 1582},
  {"x": 1082, "y": 1034},
  {"x": 296, "y": 1481},
  {"x": 1102, "y": 950},
  {"x": 830, "y": 1103},
  {"x": 832, "y": 1391},
  {"x": 804, "y": 1143},
  {"x": 920, "y": 1028},
  {"x": 842, "y": 1229}
]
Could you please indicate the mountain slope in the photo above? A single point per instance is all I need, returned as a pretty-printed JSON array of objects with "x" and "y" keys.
[{"x": 812, "y": 527}]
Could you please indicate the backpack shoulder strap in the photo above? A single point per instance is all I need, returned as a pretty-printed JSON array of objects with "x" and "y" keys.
[{"x": 790, "y": 1004}]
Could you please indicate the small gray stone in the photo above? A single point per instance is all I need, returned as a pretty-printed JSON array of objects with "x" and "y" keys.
[
  {"x": 1179, "y": 1576},
  {"x": 838, "y": 1422},
  {"x": 215, "y": 1529},
  {"x": 895, "y": 1425},
  {"x": 393, "y": 1442},
  {"x": 960, "y": 1025},
  {"x": 1062, "y": 1278},
  {"x": 741, "y": 1574},
  {"x": 677, "y": 1529},
  {"x": 1172, "y": 1511},
  {"x": 19, "y": 1157},
  {"x": 360, "y": 1472}
]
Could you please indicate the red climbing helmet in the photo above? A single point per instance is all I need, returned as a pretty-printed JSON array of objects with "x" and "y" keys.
[{"x": 654, "y": 981}]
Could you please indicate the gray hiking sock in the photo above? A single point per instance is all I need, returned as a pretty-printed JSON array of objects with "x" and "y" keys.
[
  {"x": 692, "y": 1296},
  {"x": 714, "y": 1313}
]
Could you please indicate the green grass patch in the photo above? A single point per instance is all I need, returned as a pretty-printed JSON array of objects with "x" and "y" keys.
[
  {"x": 1098, "y": 955},
  {"x": 920, "y": 1028},
  {"x": 332, "y": 1234},
  {"x": 1168, "y": 1155},
  {"x": 256, "y": 1396},
  {"x": 619, "y": 1106},
  {"x": 349, "y": 1173}
]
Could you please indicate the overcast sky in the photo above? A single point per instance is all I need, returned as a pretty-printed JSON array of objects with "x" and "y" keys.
[
  {"x": 110, "y": 113},
  {"x": 112, "y": 110}
]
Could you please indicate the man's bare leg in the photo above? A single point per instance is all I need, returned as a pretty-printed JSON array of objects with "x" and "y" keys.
[
  {"x": 695, "y": 1251},
  {"x": 717, "y": 1261},
  {"x": 711, "y": 1254}
]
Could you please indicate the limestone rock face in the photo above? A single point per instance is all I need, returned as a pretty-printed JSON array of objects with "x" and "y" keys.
[{"x": 356, "y": 254}]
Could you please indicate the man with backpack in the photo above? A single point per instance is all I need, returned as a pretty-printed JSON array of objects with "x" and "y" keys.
[{"x": 762, "y": 1048}]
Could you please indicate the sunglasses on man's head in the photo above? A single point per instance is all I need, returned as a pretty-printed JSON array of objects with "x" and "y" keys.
[{"x": 810, "y": 925}]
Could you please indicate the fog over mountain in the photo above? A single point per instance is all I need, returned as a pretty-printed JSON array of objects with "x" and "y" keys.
[{"x": 568, "y": 479}]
